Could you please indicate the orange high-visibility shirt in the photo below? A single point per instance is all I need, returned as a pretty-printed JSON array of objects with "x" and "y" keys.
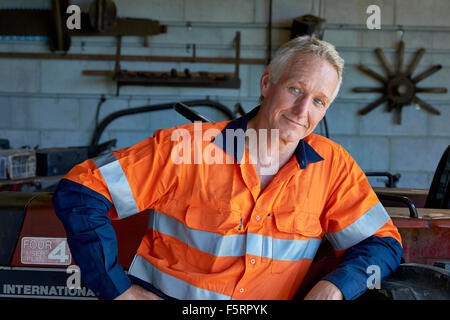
[{"x": 212, "y": 233}]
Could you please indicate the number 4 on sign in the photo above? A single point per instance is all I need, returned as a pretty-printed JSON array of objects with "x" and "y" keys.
[{"x": 59, "y": 253}]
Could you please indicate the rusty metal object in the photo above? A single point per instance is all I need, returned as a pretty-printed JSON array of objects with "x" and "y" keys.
[
  {"x": 60, "y": 41},
  {"x": 308, "y": 25},
  {"x": 399, "y": 86},
  {"x": 237, "y": 42},
  {"x": 426, "y": 239},
  {"x": 163, "y": 74},
  {"x": 177, "y": 79},
  {"x": 102, "y": 14},
  {"x": 172, "y": 78},
  {"x": 50, "y": 23}
]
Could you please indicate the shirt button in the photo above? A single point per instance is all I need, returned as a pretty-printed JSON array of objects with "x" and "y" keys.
[
  {"x": 252, "y": 261},
  {"x": 241, "y": 290},
  {"x": 258, "y": 218}
]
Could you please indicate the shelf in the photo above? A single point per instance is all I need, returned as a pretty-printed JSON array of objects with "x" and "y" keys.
[{"x": 28, "y": 180}]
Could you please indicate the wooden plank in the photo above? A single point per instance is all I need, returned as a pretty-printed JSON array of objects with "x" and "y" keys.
[
  {"x": 424, "y": 213},
  {"x": 402, "y": 191},
  {"x": 112, "y": 57}
]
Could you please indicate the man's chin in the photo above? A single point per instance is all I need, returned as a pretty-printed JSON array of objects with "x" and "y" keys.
[{"x": 291, "y": 137}]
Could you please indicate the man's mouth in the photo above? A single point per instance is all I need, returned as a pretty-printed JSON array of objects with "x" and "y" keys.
[{"x": 295, "y": 122}]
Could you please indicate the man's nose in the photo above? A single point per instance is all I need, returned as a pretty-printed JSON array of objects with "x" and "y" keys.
[{"x": 302, "y": 105}]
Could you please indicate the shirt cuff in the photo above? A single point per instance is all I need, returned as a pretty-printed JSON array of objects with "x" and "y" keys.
[
  {"x": 118, "y": 285},
  {"x": 350, "y": 284}
]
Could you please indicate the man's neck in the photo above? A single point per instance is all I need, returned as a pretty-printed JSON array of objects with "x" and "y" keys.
[
  {"x": 285, "y": 149},
  {"x": 266, "y": 156}
]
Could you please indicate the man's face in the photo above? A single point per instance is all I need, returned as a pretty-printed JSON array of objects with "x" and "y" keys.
[{"x": 299, "y": 99}]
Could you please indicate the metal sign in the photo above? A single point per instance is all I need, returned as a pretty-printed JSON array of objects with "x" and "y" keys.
[
  {"x": 45, "y": 251},
  {"x": 40, "y": 283}
]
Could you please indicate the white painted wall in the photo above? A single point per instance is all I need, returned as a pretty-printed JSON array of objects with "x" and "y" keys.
[{"x": 51, "y": 104}]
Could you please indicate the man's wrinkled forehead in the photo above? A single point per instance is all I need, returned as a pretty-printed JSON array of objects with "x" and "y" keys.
[{"x": 300, "y": 63}]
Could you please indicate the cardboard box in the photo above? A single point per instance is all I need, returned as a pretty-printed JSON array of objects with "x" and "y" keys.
[{"x": 17, "y": 163}]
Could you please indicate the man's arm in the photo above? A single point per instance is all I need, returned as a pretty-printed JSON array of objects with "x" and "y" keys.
[
  {"x": 324, "y": 290},
  {"x": 352, "y": 273},
  {"x": 100, "y": 189},
  {"x": 359, "y": 229},
  {"x": 93, "y": 243},
  {"x": 136, "y": 292},
  {"x": 91, "y": 238}
]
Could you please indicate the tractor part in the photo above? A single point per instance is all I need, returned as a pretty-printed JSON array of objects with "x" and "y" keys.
[
  {"x": 35, "y": 261},
  {"x": 413, "y": 282}
]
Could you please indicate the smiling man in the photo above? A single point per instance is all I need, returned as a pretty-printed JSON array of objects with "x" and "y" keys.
[{"x": 230, "y": 230}]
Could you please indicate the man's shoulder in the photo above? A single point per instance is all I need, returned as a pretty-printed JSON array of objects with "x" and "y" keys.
[
  {"x": 324, "y": 146},
  {"x": 167, "y": 134}
]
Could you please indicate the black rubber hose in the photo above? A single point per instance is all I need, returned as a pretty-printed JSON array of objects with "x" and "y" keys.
[{"x": 113, "y": 116}]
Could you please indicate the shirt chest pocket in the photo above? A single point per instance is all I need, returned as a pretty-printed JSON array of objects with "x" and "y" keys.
[
  {"x": 297, "y": 237},
  {"x": 295, "y": 220},
  {"x": 212, "y": 219}
]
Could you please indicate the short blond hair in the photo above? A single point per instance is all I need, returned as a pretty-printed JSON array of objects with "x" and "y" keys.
[{"x": 306, "y": 45}]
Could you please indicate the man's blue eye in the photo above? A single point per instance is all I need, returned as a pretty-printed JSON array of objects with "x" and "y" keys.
[
  {"x": 294, "y": 89},
  {"x": 319, "y": 101}
]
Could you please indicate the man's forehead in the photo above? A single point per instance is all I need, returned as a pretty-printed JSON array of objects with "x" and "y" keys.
[
  {"x": 302, "y": 63},
  {"x": 298, "y": 68}
]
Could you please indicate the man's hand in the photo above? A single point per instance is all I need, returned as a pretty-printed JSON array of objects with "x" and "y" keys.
[
  {"x": 136, "y": 292},
  {"x": 324, "y": 290}
]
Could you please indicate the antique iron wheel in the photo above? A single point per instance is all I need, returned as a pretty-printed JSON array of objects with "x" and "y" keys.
[{"x": 399, "y": 86}]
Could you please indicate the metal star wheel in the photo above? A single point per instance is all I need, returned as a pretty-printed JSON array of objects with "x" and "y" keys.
[{"x": 399, "y": 86}]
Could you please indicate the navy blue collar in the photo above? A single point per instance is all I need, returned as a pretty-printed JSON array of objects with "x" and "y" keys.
[{"x": 304, "y": 153}]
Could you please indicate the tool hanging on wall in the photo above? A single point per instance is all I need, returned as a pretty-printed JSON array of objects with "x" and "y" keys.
[
  {"x": 172, "y": 78},
  {"x": 399, "y": 86},
  {"x": 100, "y": 20},
  {"x": 308, "y": 25}
]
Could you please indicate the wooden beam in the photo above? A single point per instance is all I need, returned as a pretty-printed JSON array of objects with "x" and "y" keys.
[{"x": 112, "y": 57}]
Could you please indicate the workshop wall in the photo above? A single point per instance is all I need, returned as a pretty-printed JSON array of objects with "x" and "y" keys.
[{"x": 50, "y": 103}]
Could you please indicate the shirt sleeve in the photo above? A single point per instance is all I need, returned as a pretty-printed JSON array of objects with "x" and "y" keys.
[
  {"x": 352, "y": 274},
  {"x": 112, "y": 186},
  {"x": 91, "y": 237},
  {"x": 359, "y": 229}
]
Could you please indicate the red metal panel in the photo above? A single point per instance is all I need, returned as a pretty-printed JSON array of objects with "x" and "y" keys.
[
  {"x": 425, "y": 245},
  {"x": 41, "y": 221}
]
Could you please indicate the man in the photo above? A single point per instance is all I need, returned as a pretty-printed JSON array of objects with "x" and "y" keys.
[{"x": 242, "y": 229}]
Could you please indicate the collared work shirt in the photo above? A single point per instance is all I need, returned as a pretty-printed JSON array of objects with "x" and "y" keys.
[{"x": 212, "y": 233}]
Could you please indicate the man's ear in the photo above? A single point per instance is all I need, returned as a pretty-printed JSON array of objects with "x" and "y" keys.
[{"x": 266, "y": 80}]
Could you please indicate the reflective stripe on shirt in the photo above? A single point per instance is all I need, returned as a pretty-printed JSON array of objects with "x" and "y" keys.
[
  {"x": 117, "y": 184},
  {"x": 359, "y": 230},
  {"x": 281, "y": 249},
  {"x": 236, "y": 244},
  {"x": 170, "y": 285}
]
